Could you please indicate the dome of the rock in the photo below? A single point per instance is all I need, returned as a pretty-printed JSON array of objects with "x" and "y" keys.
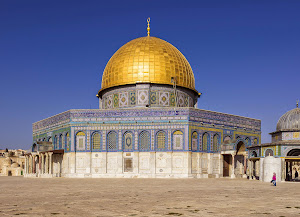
[{"x": 148, "y": 60}]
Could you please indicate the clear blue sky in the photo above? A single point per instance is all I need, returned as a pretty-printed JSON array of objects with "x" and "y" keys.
[{"x": 244, "y": 54}]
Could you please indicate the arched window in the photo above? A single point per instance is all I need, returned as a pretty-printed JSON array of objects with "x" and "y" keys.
[
  {"x": 44, "y": 139},
  {"x": 60, "y": 141},
  {"x": 253, "y": 154},
  {"x": 112, "y": 141},
  {"x": 67, "y": 141},
  {"x": 205, "y": 142},
  {"x": 55, "y": 142},
  {"x": 216, "y": 142},
  {"x": 128, "y": 141},
  {"x": 255, "y": 141},
  {"x": 80, "y": 141},
  {"x": 269, "y": 152},
  {"x": 194, "y": 141},
  {"x": 247, "y": 141},
  {"x": 177, "y": 140},
  {"x": 161, "y": 140},
  {"x": 227, "y": 140},
  {"x": 50, "y": 139},
  {"x": 96, "y": 141},
  {"x": 144, "y": 139},
  {"x": 238, "y": 137}
]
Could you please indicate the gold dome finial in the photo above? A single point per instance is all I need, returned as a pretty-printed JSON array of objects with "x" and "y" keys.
[{"x": 148, "y": 28}]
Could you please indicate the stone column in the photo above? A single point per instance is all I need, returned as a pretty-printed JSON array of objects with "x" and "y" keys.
[
  {"x": 40, "y": 164},
  {"x": 27, "y": 165},
  {"x": 46, "y": 164},
  {"x": 33, "y": 164},
  {"x": 245, "y": 164},
  {"x": 232, "y": 167},
  {"x": 283, "y": 170},
  {"x": 250, "y": 172},
  {"x": 25, "y": 169},
  {"x": 50, "y": 163},
  {"x": 29, "y": 170},
  {"x": 43, "y": 164}
]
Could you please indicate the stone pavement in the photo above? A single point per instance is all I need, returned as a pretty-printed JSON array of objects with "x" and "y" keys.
[{"x": 146, "y": 197}]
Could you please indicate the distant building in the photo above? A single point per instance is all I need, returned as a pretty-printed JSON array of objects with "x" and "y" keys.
[
  {"x": 147, "y": 125},
  {"x": 12, "y": 162},
  {"x": 282, "y": 155}
]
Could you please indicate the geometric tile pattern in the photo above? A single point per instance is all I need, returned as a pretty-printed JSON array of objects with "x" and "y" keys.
[
  {"x": 143, "y": 97},
  {"x": 132, "y": 98},
  {"x": 164, "y": 98},
  {"x": 123, "y": 102},
  {"x": 144, "y": 141},
  {"x": 109, "y": 102}
]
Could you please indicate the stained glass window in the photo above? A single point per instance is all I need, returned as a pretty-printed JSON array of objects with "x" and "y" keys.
[
  {"x": 60, "y": 141},
  {"x": 216, "y": 142},
  {"x": 80, "y": 140},
  {"x": 177, "y": 140},
  {"x": 96, "y": 140},
  {"x": 161, "y": 140},
  {"x": 144, "y": 141},
  {"x": 67, "y": 141},
  {"x": 205, "y": 141},
  {"x": 194, "y": 141},
  {"x": 247, "y": 140},
  {"x": 112, "y": 140},
  {"x": 255, "y": 141}
]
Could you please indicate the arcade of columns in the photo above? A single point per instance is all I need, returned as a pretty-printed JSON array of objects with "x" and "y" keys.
[{"x": 44, "y": 164}]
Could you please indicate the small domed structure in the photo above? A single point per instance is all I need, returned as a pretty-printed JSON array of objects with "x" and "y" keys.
[{"x": 289, "y": 121}]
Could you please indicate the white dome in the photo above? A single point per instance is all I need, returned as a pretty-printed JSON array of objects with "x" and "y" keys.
[{"x": 289, "y": 121}]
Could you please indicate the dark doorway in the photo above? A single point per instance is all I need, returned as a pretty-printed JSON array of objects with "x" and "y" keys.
[
  {"x": 226, "y": 164},
  {"x": 128, "y": 165},
  {"x": 9, "y": 173}
]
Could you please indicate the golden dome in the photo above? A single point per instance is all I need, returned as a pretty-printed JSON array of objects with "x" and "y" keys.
[{"x": 148, "y": 60}]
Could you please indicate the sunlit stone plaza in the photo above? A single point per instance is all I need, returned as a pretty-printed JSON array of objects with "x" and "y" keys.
[{"x": 146, "y": 197}]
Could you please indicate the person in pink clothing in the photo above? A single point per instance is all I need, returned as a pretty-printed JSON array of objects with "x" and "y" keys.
[{"x": 274, "y": 179}]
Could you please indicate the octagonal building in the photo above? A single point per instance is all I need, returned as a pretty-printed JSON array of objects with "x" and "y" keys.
[{"x": 147, "y": 125}]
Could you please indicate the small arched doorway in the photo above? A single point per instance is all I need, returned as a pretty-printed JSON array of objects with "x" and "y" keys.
[
  {"x": 34, "y": 148},
  {"x": 240, "y": 160},
  {"x": 292, "y": 166},
  {"x": 294, "y": 152}
]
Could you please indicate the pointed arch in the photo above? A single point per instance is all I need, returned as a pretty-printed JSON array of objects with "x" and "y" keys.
[
  {"x": 161, "y": 144},
  {"x": 144, "y": 141},
  {"x": 255, "y": 141},
  {"x": 60, "y": 141},
  {"x": 216, "y": 142},
  {"x": 80, "y": 141},
  {"x": 194, "y": 141},
  {"x": 247, "y": 142},
  {"x": 128, "y": 141},
  {"x": 55, "y": 142},
  {"x": 178, "y": 140},
  {"x": 205, "y": 142},
  {"x": 67, "y": 141},
  {"x": 96, "y": 141},
  {"x": 112, "y": 141},
  {"x": 227, "y": 140}
]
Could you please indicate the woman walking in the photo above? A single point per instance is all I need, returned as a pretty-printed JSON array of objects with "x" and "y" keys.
[{"x": 274, "y": 179}]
